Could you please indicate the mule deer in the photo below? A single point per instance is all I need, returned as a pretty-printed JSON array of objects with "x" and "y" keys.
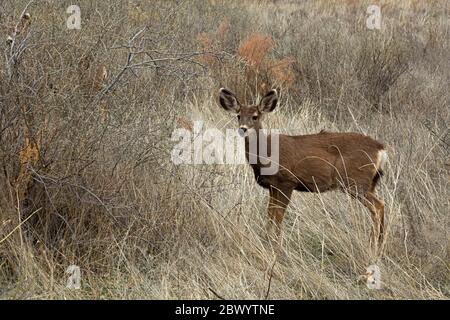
[{"x": 350, "y": 162}]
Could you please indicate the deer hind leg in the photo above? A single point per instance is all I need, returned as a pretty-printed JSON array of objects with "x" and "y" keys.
[
  {"x": 376, "y": 208},
  {"x": 279, "y": 200}
]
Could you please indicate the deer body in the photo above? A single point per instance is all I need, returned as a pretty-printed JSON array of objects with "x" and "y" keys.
[
  {"x": 350, "y": 162},
  {"x": 323, "y": 161}
]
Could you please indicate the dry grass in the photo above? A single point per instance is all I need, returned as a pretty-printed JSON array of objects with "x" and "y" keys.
[{"x": 85, "y": 124}]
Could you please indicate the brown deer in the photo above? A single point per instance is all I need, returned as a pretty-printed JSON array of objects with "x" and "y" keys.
[{"x": 350, "y": 162}]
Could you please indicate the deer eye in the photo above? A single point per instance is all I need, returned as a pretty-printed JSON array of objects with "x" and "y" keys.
[
  {"x": 239, "y": 117},
  {"x": 255, "y": 118}
]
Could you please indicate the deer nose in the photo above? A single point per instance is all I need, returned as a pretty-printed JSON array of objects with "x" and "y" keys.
[{"x": 242, "y": 131}]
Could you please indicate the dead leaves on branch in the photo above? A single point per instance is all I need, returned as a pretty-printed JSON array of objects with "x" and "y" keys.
[
  {"x": 252, "y": 67},
  {"x": 28, "y": 157}
]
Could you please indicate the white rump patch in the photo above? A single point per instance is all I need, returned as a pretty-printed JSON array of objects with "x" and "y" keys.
[{"x": 382, "y": 158}]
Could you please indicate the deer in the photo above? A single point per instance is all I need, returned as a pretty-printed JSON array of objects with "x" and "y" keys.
[{"x": 347, "y": 161}]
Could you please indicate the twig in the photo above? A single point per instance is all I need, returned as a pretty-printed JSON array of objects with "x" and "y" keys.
[
  {"x": 17, "y": 26},
  {"x": 216, "y": 294},
  {"x": 13, "y": 57},
  {"x": 19, "y": 225},
  {"x": 270, "y": 279}
]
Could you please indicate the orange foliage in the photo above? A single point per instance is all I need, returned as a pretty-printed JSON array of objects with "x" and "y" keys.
[
  {"x": 266, "y": 73},
  {"x": 255, "y": 48},
  {"x": 259, "y": 73},
  {"x": 29, "y": 155},
  {"x": 185, "y": 123},
  {"x": 282, "y": 72}
]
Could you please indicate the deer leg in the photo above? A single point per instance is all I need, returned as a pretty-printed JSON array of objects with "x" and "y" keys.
[
  {"x": 279, "y": 200},
  {"x": 376, "y": 208}
]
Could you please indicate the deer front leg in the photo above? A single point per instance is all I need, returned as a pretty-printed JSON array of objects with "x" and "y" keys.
[{"x": 279, "y": 200}]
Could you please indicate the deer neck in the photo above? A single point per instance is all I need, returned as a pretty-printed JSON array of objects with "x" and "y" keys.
[
  {"x": 252, "y": 143},
  {"x": 255, "y": 139}
]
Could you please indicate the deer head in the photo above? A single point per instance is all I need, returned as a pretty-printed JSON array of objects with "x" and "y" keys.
[{"x": 249, "y": 116}]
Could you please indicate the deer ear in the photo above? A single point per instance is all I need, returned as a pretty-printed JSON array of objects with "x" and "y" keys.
[
  {"x": 269, "y": 101},
  {"x": 228, "y": 100}
]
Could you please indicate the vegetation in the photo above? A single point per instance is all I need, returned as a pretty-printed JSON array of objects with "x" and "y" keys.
[{"x": 86, "y": 177}]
